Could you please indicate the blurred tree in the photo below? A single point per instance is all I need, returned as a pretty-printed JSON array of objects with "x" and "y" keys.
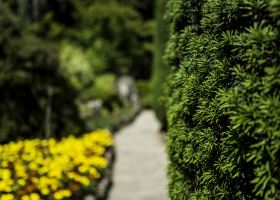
[
  {"x": 114, "y": 30},
  {"x": 121, "y": 34},
  {"x": 76, "y": 68},
  {"x": 34, "y": 10},
  {"x": 29, "y": 66},
  {"x": 103, "y": 36},
  {"x": 145, "y": 8}
]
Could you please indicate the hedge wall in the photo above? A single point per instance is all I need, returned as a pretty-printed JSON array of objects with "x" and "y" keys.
[{"x": 223, "y": 99}]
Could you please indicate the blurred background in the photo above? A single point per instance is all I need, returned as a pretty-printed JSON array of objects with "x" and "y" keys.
[
  {"x": 67, "y": 68},
  {"x": 71, "y": 66}
]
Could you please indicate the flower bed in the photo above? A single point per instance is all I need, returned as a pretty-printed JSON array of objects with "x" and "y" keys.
[{"x": 50, "y": 169}]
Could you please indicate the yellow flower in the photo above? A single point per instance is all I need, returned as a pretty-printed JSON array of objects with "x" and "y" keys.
[
  {"x": 67, "y": 193},
  {"x": 21, "y": 182},
  {"x": 4, "y": 163},
  {"x": 34, "y": 196},
  {"x": 85, "y": 181},
  {"x": 33, "y": 166},
  {"x": 25, "y": 197},
  {"x": 62, "y": 193},
  {"x": 20, "y": 170},
  {"x": 46, "y": 165},
  {"x": 83, "y": 169},
  {"x": 58, "y": 195},
  {"x": 5, "y": 174},
  {"x": 54, "y": 186},
  {"x": 94, "y": 173},
  {"x": 7, "y": 197},
  {"x": 35, "y": 180},
  {"x": 99, "y": 162},
  {"x": 45, "y": 191},
  {"x": 5, "y": 187}
]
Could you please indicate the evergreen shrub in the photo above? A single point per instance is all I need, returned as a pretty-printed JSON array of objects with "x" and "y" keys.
[{"x": 223, "y": 99}]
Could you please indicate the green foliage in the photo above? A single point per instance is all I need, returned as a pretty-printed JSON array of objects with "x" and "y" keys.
[
  {"x": 160, "y": 70},
  {"x": 29, "y": 66},
  {"x": 104, "y": 91},
  {"x": 117, "y": 34},
  {"x": 105, "y": 87},
  {"x": 34, "y": 10},
  {"x": 275, "y": 10},
  {"x": 76, "y": 48},
  {"x": 144, "y": 7},
  {"x": 47, "y": 27},
  {"x": 145, "y": 93},
  {"x": 76, "y": 68},
  {"x": 223, "y": 100}
]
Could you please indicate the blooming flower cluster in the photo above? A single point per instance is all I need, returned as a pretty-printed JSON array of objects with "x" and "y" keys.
[{"x": 50, "y": 169}]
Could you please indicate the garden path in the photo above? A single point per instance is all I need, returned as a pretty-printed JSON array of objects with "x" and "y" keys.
[{"x": 140, "y": 167}]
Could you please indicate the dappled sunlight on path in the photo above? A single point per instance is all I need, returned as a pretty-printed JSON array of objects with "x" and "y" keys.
[{"x": 140, "y": 168}]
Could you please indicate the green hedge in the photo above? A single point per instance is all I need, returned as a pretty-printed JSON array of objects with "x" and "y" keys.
[{"x": 223, "y": 99}]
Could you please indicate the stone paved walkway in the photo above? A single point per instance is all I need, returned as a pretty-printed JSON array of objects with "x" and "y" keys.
[{"x": 140, "y": 167}]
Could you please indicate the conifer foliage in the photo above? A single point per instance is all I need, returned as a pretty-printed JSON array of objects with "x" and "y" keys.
[{"x": 223, "y": 99}]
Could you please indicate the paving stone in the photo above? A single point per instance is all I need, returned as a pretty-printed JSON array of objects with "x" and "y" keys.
[{"x": 140, "y": 167}]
